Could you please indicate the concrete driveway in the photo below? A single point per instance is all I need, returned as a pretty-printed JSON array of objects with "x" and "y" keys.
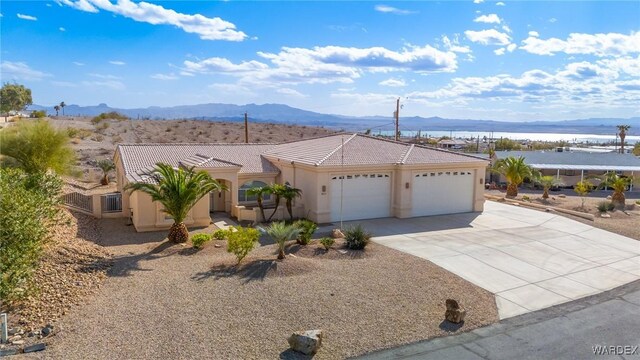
[{"x": 529, "y": 259}]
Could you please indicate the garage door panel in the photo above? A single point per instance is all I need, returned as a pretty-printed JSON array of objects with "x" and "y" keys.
[
  {"x": 364, "y": 196},
  {"x": 442, "y": 192}
]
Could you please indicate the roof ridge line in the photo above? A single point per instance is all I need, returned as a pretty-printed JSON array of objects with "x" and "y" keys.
[
  {"x": 335, "y": 150},
  {"x": 406, "y": 155}
]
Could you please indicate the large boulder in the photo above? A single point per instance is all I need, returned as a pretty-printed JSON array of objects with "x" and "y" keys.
[
  {"x": 306, "y": 342},
  {"x": 455, "y": 312}
]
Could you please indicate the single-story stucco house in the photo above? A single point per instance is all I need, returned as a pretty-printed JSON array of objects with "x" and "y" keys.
[
  {"x": 570, "y": 167},
  {"x": 342, "y": 177}
]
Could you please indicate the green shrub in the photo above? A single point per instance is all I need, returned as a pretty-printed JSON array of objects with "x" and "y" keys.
[
  {"x": 605, "y": 206},
  {"x": 356, "y": 237},
  {"x": 327, "y": 242},
  {"x": 637, "y": 202},
  {"x": 198, "y": 240},
  {"x": 29, "y": 206},
  {"x": 220, "y": 234},
  {"x": 38, "y": 114},
  {"x": 307, "y": 228},
  {"x": 110, "y": 115},
  {"x": 526, "y": 198},
  {"x": 241, "y": 240}
]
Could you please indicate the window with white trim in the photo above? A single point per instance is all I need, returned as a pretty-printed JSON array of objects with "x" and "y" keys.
[{"x": 243, "y": 193}]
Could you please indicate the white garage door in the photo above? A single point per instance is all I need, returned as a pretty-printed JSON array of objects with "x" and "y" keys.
[
  {"x": 442, "y": 192},
  {"x": 364, "y": 196}
]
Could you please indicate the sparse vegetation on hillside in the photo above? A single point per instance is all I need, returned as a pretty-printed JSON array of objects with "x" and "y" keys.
[{"x": 113, "y": 115}]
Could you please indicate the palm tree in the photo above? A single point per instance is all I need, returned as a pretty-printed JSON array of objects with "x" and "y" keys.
[
  {"x": 289, "y": 194},
  {"x": 280, "y": 232},
  {"x": 619, "y": 184},
  {"x": 277, "y": 190},
  {"x": 547, "y": 182},
  {"x": 622, "y": 132},
  {"x": 106, "y": 166},
  {"x": 178, "y": 190},
  {"x": 259, "y": 192},
  {"x": 57, "y": 109},
  {"x": 515, "y": 170},
  {"x": 62, "y": 105}
]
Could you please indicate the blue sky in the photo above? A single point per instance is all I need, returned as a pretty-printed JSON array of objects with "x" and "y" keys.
[{"x": 502, "y": 60}]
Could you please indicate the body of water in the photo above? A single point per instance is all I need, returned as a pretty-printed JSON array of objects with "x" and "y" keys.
[{"x": 578, "y": 138}]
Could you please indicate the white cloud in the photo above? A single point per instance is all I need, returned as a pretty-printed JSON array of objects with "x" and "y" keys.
[
  {"x": 327, "y": 64},
  {"x": 171, "y": 76},
  {"x": 506, "y": 28},
  {"x": 48, "y": 4},
  {"x": 27, "y": 17},
  {"x": 117, "y": 62},
  {"x": 488, "y": 37},
  {"x": 488, "y": 19},
  {"x": 393, "y": 83},
  {"x": 500, "y": 51},
  {"x": 533, "y": 34},
  {"x": 454, "y": 45},
  {"x": 112, "y": 84},
  {"x": 500, "y": 3},
  {"x": 611, "y": 44},
  {"x": 78, "y": 63},
  {"x": 20, "y": 71},
  {"x": 511, "y": 47},
  {"x": 62, "y": 29},
  {"x": 552, "y": 20},
  {"x": 105, "y": 76},
  {"x": 291, "y": 92},
  {"x": 478, "y": 1},
  {"x": 64, "y": 84},
  {"x": 207, "y": 28},
  {"x": 392, "y": 10}
]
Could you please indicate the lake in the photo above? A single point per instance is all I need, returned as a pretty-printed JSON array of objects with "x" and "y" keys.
[{"x": 578, "y": 138}]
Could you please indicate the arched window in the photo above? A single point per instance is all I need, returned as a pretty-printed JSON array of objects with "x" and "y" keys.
[{"x": 244, "y": 196}]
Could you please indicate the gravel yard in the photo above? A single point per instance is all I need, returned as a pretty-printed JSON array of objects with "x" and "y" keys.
[{"x": 167, "y": 301}]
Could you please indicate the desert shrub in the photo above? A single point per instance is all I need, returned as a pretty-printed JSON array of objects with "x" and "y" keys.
[
  {"x": 38, "y": 114},
  {"x": 241, "y": 240},
  {"x": 605, "y": 206},
  {"x": 220, "y": 234},
  {"x": 97, "y": 138},
  {"x": 109, "y": 115},
  {"x": 526, "y": 198},
  {"x": 356, "y": 237},
  {"x": 637, "y": 202},
  {"x": 198, "y": 240},
  {"x": 103, "y": 126},
  {"x": 28, "y": 208},
  {"x": 327, "y": 242},
  {"x": 307, "y": 228}
]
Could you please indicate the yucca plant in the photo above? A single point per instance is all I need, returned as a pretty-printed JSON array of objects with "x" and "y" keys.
[
  {"x": 280, "y": 232},
  {"x": 178, "y": 190}
]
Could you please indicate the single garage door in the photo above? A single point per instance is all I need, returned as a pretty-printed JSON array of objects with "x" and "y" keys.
[
  {"x": 364, "y": 196},
  {"x": 442, "y": 192}
]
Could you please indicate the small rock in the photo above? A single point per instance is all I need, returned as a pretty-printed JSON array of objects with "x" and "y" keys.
[
  {"x": 455, "y": 313},
  {"x": 8, "y": 352},
  {"x": 46, "y": 331},
  {"x": 548, "y": 209},
  {"x": 609, "y": 197},
  {"x": 217, "y": 245},
  {"x": 17, "y": 342},
  {"x": 562, "y": 196},
  {"x": 35, "y": 347},
  {"x": 337, "y": 233},
  {"x": 13, "y": 331},
  {"x": 14, "y": 337},
  {"x": 306, "y": 342},
  {"x": 605, "y": 215}
]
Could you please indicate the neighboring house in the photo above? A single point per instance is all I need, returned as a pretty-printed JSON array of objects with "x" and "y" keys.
[
  {"x": 452, "y": 144},
  {"x": 570, "y": 167},
  {"x": 342, "y": 177}
]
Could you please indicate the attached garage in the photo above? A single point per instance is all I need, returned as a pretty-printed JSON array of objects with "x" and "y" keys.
[
  {"x": 364, "y": 196},
  {"x": 442, "y": 192}
]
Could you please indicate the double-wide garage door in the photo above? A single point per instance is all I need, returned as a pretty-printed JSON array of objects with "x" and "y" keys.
[
  {"x": 360, "y": 196},
  {"x": 442, "y": 192}
]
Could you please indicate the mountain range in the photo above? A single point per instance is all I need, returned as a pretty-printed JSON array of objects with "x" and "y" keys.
[{"x": 280, "y": 113}]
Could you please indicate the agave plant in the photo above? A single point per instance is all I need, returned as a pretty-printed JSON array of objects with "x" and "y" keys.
[{"x": 178, "y": 190}]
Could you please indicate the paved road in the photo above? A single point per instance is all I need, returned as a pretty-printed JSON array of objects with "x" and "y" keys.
[{"x": 566, "y": 331}]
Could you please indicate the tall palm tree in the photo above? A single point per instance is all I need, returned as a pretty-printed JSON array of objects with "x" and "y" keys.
[
  {"x": 178, "y": 190},
  {"x": 62, "y": 105},
  {"x": 622, "y": 132},
  {"x": 106, "y": 166},
  {"x": 57, "y": 109},
  {"x": 259, "y": 192},
  {"x": 289, "y": 194},
  {"x": 547, "y": 182},
  {"x": 515, "y": 170},
  {"x": 280, "y": 232},
  {"x": 618, "y": 184},
  {"x": 277, "y": 190}
]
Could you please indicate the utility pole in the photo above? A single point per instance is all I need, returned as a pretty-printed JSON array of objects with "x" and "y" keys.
[
  {"x": 397, "y": 113},
  {"x": 246, "y": 128}
]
